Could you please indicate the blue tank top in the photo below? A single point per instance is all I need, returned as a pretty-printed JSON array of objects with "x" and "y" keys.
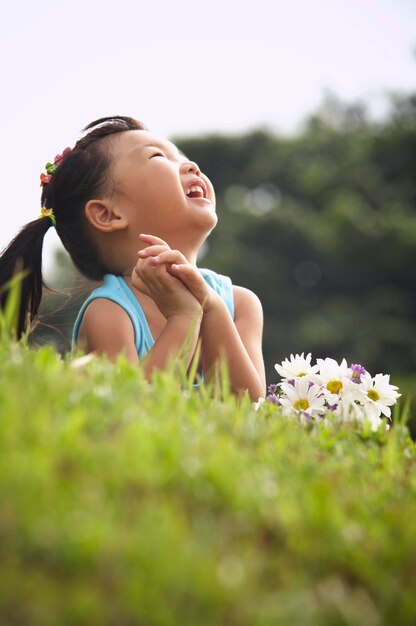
[{"x": 116, "y": 289}]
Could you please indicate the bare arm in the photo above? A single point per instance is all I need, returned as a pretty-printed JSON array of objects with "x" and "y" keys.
[
  {"x": 238, "y": 342},
  {"x": 107, "y": 329}
]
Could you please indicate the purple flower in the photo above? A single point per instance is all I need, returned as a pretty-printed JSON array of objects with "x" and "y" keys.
[
  {"x": 357, "y": 372},
  {"x": 271, "y": 397},
  {"x": 272, "y": 388}
]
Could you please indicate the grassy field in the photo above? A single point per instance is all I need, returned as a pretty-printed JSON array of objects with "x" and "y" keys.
[{"x": 124, "y": 503}]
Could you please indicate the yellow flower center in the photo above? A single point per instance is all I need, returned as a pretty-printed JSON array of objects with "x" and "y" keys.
[
  {"x": 373, "y": 395},
  {"x": 334, "y": 386},
  {"x": 301, "y": 405},
  {"x": 301, "y": 374}
]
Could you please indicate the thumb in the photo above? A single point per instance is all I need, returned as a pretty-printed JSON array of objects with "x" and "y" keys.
[{"x": 190, "y": 277}]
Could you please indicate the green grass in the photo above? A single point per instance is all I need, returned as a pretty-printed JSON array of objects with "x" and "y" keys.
[{"x": 129, "y": 504}]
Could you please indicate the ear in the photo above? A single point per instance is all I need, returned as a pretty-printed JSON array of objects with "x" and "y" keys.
[{"x": 103, "y": 216}]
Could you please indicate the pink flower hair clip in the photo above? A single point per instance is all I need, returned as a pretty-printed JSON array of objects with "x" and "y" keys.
[{"x": 51, "y": 168}]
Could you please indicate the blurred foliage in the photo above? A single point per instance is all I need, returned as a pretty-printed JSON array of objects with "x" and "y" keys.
[
  {"x": 179, "y": 509},
  {"x": 322, "y": 226}
]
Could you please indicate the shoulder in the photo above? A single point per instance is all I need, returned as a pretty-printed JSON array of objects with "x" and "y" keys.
[
  {"x": 222, "y": 285},
  {"x": 105, "y": 311},
  {"x": 248, "y": 316},
  {"x": 106, "y": 328},
  {"x": 246, "y": 303},
  {"x": 214, "y": 279}
]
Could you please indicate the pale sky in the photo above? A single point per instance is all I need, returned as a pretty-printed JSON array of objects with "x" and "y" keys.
[{"x": 184, "y": 69}]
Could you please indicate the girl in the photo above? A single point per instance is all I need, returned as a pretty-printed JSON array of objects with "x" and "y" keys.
[{"x": 132, "y": 209}]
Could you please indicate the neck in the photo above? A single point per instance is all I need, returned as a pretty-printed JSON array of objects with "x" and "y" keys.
[
  {"x": 189, "y": 246},
  {"x": 189, "y": 252}
]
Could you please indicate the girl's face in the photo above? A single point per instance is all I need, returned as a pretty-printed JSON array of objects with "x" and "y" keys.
[{"x": 151, "y": 177}]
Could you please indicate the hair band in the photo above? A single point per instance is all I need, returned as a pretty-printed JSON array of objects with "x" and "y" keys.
[
  {"x": 44, "y": 212},
  {"x": 51, "y": 168}
]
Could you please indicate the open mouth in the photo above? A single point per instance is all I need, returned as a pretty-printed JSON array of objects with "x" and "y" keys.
[{"x": 196, "y": 191}]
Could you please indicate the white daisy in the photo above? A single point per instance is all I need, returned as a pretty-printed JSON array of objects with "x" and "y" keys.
[
  {"x": 348, "y": 411},
  {"x": 302, "y": 397},
  {"x": 379, "y": 393},
  {"x": 296, "y": 367},
  {"x": 373, "y": 415},
  {"x": 334, "y": 378}
]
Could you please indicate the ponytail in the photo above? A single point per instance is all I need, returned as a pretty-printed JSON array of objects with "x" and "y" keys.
[
  {"x": 24, "y": 252},
  {"x": 75, "y": 177}
]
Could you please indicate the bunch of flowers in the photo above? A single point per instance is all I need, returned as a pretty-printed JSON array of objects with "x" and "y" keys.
[
  {"x": 51, "y": 168},
  {"x": 349, "y": 392}
]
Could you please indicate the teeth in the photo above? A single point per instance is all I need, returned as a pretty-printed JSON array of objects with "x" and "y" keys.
[{"x": 195, "y": 188}]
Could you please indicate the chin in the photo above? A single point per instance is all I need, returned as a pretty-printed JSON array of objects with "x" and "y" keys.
[
  {"x": 211, "y": 221},
  {"x": 206, "y": 219}
]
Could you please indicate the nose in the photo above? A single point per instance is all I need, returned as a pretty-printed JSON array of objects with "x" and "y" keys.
[{"x": 190, "y": 166}]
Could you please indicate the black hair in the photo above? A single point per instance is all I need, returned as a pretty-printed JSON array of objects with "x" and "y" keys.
[{"x": 80, "y": 176}]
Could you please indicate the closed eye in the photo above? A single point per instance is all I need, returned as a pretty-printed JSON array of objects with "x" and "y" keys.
[{"x": 157, "y": 154}]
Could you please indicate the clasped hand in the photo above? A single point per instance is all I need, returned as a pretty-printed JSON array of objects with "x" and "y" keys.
[{"x": 166, "y": 276}]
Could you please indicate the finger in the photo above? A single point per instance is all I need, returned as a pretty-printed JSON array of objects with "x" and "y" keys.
[
  {"x": 145, "y": 267},
  {"x": 138, "y": 283},
  {"x": 188, "y": 269},
  {"x": 153, "y": 283},
  {"x": 170, "y": 256},
  {"x": 192, "y": 279},
  {"x": 152, "y": 239},
  {"x": 148, "y": 270},
  {"x": 155, "y": 274},
  {"x": 188, "y": 275},
  {"x": 162, "y": 282},
  {"x": 152, "y": 251}
]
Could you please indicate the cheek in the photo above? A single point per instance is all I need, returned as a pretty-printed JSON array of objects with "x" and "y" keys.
[
  {"x": 168, "y": 189},
  {"x": 209, "y": 185},
  {"x": 158, "y": 188},
  {"x": 167, "y": 195}
]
